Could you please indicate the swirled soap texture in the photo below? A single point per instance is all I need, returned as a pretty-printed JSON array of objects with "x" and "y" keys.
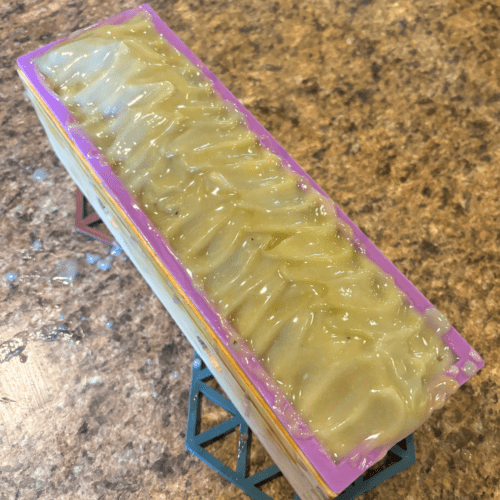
[{"x": 357, "y": 362}]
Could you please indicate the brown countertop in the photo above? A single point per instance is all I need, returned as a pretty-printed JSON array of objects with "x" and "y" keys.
[{"x": 393, "y": 108}]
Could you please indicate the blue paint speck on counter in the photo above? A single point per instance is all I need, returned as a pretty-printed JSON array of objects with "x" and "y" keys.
[
  {"x": 37, "y": 245},
  {"x": 40, "y": 174},
  {"x": 92, "y": 258},
  {"x": 109, "y": 325},
  {"x": 115, "y": 251},
  {"x": 11, "y": 276},
  {"x": 105, "y": 264}
]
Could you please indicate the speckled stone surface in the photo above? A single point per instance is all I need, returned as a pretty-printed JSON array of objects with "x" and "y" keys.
[{"x": 393, "y": 108}]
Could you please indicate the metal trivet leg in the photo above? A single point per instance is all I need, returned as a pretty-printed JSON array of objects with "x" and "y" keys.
[
  {"x": 87, "y": 221},
  {"x": 400, "y": 457}
]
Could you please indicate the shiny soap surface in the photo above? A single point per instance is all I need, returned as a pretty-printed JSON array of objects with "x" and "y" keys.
[{"x": 357, "y": 362}]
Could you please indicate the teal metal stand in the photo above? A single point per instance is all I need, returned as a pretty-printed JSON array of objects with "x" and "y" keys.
[{"x": 401, "y": 456}]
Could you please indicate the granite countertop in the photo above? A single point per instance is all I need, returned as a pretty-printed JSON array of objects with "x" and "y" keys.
[{"x": 393, "y": 108}]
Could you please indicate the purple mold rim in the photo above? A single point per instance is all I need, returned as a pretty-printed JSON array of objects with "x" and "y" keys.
[{"x": 336, "y": 476}]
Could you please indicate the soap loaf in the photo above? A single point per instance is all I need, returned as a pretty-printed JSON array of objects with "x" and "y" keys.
[{"x": 355, "y": 359}]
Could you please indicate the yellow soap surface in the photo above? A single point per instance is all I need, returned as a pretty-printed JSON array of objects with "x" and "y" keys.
[{"x": 354, "y": 359}]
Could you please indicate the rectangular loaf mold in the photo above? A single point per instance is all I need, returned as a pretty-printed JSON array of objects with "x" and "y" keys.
[{"x": 302, "y": 459}]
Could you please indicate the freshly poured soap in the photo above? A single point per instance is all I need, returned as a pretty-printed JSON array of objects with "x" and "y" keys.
[{"x": 356, "y": 361}]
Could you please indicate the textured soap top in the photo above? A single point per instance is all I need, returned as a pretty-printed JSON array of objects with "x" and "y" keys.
[{"x": 357, "y": 362}]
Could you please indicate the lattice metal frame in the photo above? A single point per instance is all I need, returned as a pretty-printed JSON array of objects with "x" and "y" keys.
[
  {"x": 87, "y": 222},
  {"x": 402, "y": 455}
]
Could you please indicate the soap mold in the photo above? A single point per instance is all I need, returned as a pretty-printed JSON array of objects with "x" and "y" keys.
[{"x": 312, "y": 473}]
